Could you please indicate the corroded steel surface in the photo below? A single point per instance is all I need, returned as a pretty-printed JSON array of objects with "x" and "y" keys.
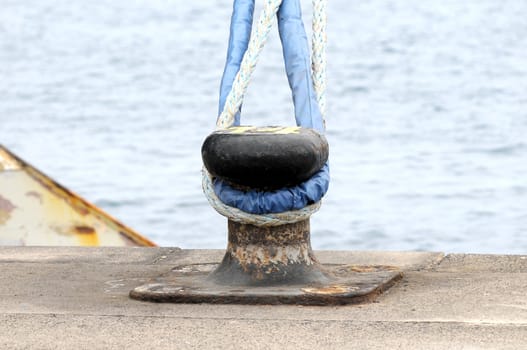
[
  {"x": 35, "y": 210},
  {"x": 274, "y": 265},
  {"x": 191, "y": 284},
  {"x": 268, "y": 255}
]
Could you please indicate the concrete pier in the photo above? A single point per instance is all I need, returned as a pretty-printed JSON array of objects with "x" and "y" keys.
[{"x": 78, "y": 298}]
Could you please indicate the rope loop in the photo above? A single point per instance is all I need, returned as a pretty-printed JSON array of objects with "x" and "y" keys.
[{"x": 234, "y": 99}]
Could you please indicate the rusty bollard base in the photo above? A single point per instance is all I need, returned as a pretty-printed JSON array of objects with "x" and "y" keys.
[
  {"x": 190, "y": 284},
  {"x": 269, "y": 266}
]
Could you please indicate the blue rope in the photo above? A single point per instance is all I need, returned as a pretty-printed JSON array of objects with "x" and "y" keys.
[{"x": 307, "y": 113}]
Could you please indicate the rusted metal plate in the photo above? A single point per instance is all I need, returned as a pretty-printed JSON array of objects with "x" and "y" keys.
[
  {"x": 349, "y": 284},
  {"x": 35, "y": 210}
]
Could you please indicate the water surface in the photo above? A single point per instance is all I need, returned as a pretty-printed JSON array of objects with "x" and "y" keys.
[{"x": 427, "y": 115}]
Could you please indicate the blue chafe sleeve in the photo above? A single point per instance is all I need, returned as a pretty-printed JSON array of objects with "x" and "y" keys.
[
  {"x": 285, "y": 199},
  {"x": 297, "y": 65},
  {"x": 307, "y": 113},
  {"x": 240, "y": 33}
]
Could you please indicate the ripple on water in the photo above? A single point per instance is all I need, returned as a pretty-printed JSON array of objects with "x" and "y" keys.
[{"x": 426, "y": 126}]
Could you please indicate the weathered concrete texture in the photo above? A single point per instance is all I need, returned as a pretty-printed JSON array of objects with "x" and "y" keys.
[
  {"x": 125, "y": 332},
  {"x": 484, "y": 263},
  {"x": 78, "y": 298}
]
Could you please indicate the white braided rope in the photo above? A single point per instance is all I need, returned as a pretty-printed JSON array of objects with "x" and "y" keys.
[
  {"x": 234, "y": 100},
  {"x": 264, "y": 220},
  {"x": 318, "y": 58},
  {"x": 258, "y": 39}
]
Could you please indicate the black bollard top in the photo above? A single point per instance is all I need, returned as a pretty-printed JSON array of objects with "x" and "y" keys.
[{"x": 264, "y": 157}]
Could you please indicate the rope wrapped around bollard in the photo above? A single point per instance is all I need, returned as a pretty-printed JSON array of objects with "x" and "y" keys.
[
  {"x": 268, "y": 181},
  {"x": 308, "y": 87}
]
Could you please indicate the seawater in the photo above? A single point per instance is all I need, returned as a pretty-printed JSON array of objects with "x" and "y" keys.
[{"x": 427, "y": 115}]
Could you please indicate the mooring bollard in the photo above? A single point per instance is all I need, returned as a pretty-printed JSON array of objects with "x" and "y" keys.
[
  {"x": 267, "y": 264},
  {"x": 264, "y": 256},
  {"x": 263, "y": 160},
  {"x": 268, "y": 181}
]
